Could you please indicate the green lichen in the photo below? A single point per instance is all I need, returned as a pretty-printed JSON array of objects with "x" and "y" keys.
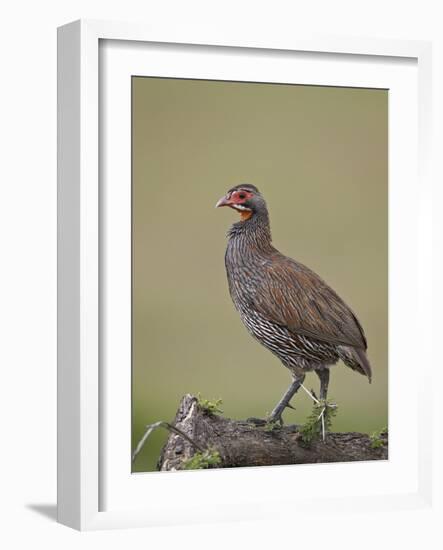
[
  {"x": 270, "y": 426},
  {"x": 313, "y": 427},
  {"x": 202, "y": 460},
  {"x": 376, "y": 438},
  {"x": 209, "y": 407}
]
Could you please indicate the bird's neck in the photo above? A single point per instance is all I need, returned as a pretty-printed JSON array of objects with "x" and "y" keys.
[{"x": 254, "y": 233}]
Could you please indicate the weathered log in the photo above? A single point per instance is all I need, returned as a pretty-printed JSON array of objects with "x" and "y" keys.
[{"x": 241, "y": 443}]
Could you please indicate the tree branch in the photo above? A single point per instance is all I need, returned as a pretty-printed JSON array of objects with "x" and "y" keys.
[{"x": 241, "y": 443}]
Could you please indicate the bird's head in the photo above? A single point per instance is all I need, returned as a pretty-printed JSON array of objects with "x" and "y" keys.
[{"x": 244, "y": 198}]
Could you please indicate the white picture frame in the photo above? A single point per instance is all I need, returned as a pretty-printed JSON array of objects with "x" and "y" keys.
[{"x": 82, "y": 393}]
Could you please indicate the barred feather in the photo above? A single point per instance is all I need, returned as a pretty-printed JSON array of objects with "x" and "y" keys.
[{"x": 286, "y": 306}]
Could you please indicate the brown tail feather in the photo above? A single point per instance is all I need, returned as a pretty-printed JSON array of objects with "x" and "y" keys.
[
  {"x": 356, "y": 359},
  {"x": 364, "y": 362}
]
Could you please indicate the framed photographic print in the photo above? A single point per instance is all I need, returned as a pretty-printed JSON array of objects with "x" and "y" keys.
[{"x": 200, "y": 355}]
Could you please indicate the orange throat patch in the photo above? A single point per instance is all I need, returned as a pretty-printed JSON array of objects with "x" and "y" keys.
[{"x": 245, "y": 215}]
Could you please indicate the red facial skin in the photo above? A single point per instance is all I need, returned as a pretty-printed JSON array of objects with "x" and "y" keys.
[
  {"x": 239, "y": 196},
  {"x": 235, "y": 200}
]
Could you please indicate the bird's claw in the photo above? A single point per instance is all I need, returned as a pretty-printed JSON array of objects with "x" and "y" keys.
[
  {"x": 275, "y": 419},
  {"x": 270, "y": 423}
]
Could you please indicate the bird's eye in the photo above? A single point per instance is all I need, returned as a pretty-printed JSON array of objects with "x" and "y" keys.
[{"x": 242, "y": 196}]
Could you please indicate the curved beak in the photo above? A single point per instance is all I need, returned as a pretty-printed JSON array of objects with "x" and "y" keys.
[{"x": 224, "y": 201}]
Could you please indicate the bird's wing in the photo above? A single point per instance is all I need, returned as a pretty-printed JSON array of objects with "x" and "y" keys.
[{"x": 293, "y": 296}]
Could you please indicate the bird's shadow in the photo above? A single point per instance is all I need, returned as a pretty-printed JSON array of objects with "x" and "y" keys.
[{"x": 48, "y": 511}]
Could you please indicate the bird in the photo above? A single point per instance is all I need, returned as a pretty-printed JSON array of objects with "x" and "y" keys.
[{"x": 285, "y": 305}]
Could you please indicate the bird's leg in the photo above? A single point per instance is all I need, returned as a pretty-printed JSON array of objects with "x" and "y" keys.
[
  {"x": 327, "y": 411},
  {"x": 323, "y": 374},
  {"x": 276, "y": 414}
]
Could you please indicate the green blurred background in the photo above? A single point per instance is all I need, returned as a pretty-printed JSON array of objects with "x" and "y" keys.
[{"x": 319, "y": 155}]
